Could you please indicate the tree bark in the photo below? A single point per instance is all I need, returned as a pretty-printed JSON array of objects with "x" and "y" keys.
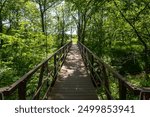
[
  {"x": 42, "y": 22},
  {"x": 63, "y": 30},
  {"x": 84, "y": 27},
  {"x": 79, "y": 26},
  {"x": 1, "y": 24}
]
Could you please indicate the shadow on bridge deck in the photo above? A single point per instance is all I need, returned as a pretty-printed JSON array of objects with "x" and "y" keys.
[{"x": 73, "y": 82}]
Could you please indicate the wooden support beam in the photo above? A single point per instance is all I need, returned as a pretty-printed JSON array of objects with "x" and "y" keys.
[
  {"x": 22, "y": 91},
  {"x": 122, "y": 90}
]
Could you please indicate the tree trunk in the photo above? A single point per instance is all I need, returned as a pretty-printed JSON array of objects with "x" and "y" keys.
[
  {"x": 1, "y": 24},
  {"x": 42, "y": 18},
  {"x": 147, "y": 64},
  {"x": 79, "y": 26},
  {"x": 42, "y": 22},
  {"x": 84, "y": 21},
  {"x": 63, "y": 30}
]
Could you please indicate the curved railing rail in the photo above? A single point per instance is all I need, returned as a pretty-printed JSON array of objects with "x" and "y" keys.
[
  {"x": 43, "y": 75},
  {"x": 107, "y": 80}
]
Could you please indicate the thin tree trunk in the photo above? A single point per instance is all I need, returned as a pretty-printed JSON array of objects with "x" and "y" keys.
[
  {"x": 84, "y": 27},
  {"x": 79, "y": 26},
  {"x": 1, "y": 24},
  {"x": 42, "y": 22},
  {"x": 63, "y": 30}
]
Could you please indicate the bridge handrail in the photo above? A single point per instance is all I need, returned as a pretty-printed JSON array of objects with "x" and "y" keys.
[
  {"x": 89, "y": 58},
  {"x": 21, "y": 83}
]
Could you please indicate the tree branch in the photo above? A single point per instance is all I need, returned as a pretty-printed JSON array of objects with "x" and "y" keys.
[
  {"x": 141, "y": 11},
  {"x": 133, "y": 27}
]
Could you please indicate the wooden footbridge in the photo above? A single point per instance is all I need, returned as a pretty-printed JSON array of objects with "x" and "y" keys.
[{"x": 73, "y": 73}]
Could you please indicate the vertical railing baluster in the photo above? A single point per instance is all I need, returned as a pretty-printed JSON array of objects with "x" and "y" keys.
[
  {"x": 92, "y": 63},
  {"x": 55, "y": 69},
  {"x": 40, "y": 81},
  {"x": 92, "y": 69},
  {"x": 63, "y": 54},
  {"x": 122, "y": 91},
  {"x": 106, "y": 83},
  {"x": 1, "y": 96},
  {"x": 85, "y": 56},
  {"x": 22, "y": 90}
]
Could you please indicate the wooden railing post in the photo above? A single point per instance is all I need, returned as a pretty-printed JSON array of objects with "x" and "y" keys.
[
  {"x": 106, "y": 83},
  {"x": 22, "y": 90},
  {"x": 40, "y": 81},
  {"x": 63, "y": 57},
  {"x": 91, "y": 66},
  {"x": 55, "y": 69},
  {"x": 82, "y": 52},
  {"x": 122, "y": 91},
  {"x": 65, "y": 52},
  {"x": 85, "y": 56},
  {"x": 1, "y": 96}
]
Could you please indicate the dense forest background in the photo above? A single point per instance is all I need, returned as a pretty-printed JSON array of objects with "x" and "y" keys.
[{"x": 118, "y": 31}]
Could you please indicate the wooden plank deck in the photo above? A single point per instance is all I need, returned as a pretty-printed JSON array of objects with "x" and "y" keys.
[{"x": 73, "y": 82}]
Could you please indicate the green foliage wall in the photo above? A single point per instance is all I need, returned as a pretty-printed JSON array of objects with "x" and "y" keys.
[{"x": 20, "y": 54}]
